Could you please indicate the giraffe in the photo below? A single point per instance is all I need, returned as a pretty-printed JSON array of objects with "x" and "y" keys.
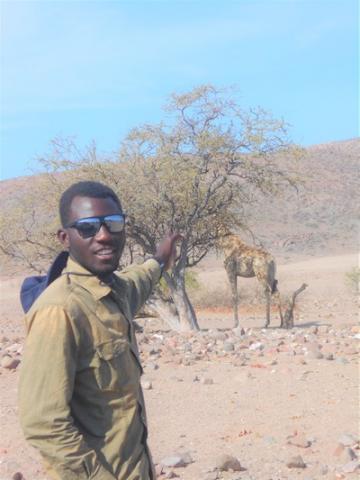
[{"x": 241, "y": 260}]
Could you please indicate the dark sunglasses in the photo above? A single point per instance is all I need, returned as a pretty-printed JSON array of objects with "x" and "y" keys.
[{"x": 89, "y": 227}]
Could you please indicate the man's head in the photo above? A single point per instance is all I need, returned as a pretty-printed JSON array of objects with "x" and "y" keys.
[{"x": 93, "y": 227}]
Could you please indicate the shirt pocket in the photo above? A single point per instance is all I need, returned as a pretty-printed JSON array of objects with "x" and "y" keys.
[{"x": 117, "y": 368}]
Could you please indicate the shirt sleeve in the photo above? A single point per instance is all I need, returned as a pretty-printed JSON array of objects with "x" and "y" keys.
[
  {"x": 141, "y": 280},
  {"x": 45, "y": 390}
]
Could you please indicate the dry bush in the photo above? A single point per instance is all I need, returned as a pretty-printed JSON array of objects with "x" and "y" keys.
[
  {"x": 352, "y": 279},
  {"x": 208, "y": 296}
]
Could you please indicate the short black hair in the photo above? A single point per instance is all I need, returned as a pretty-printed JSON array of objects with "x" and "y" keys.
[{"x": 84, "y": 189}]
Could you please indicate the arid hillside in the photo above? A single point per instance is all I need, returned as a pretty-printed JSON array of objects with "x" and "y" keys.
[{"x": 323, "y": 216}]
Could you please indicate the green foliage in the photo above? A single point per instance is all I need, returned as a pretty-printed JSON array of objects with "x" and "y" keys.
[
  {"x": 191, "y": 280},
  {"x": 191, "y": 284},
  {"x": 352, "y": 279}
]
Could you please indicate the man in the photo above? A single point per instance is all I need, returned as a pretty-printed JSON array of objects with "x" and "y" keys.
[{"x": 80, "y": 399}]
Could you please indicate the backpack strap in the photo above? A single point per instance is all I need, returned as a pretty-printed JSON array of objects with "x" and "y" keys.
[{"x": 33, "y": 286}]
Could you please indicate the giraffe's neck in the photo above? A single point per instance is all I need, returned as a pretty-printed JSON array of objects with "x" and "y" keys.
[{"x": 230, "y": 243}]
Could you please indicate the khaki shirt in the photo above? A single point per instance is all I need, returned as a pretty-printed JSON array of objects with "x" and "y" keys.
[{"x": 80, "y": 399}]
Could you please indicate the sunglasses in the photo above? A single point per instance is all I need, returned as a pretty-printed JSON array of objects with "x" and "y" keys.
[{"x": 89, "y": 227}]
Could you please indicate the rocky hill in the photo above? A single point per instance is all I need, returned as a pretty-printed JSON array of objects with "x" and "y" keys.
[{"x": 323, "y": 216}]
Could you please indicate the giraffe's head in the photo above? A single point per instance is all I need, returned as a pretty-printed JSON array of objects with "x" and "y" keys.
[{"x": 222, "y": 233}]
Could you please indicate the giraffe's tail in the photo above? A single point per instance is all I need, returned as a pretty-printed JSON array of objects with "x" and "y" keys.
[
  {"x": 272, "y": 282},
  {"x": 274, "y": 287}
]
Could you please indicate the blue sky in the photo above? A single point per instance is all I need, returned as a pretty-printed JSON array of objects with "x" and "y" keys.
[{"x": 95, "y": 69}]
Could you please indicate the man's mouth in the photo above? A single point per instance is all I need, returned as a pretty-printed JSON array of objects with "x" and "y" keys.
[{"x": 105, "y": 253}]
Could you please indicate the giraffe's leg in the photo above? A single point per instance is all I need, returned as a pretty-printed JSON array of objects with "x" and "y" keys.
[
  {"x": 235, "y": 301},
  {"x": 230, "y": 268},
  {"x": 278, "y": 300},
  {"x": 268, "y": 304}
]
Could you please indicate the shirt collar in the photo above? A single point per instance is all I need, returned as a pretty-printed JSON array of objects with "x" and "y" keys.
[{"x": 79, "y": 275}]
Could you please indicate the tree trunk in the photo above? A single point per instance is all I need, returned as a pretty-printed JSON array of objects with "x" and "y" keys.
[
  {"x": 185, "y": 317},
  {"x": 159, "y": 307},
  {"x": 185, "y": 311},
  {"x": 288, "y": 320}
]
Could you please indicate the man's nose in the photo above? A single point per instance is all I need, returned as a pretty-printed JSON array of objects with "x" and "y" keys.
[{"x": 103, "y": 234}]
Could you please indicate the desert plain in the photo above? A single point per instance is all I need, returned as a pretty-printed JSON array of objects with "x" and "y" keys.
[{"x": 246, "y": 403}]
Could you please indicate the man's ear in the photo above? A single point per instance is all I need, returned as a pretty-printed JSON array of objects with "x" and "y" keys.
[{"x": 63, "y": 238}]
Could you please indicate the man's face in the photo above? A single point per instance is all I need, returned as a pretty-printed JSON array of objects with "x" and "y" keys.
[{"x": 101, "y": 253}]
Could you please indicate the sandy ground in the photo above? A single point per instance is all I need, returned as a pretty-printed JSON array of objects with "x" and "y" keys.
[{"x": 268, "y": 397}]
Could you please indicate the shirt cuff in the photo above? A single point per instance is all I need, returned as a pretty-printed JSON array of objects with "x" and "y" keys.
[{"x": 156, "y": 267}]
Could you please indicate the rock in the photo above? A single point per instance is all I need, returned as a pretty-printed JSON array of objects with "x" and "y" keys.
[
  {"x": 315, "y": 354},
  {"x": 187, "y": 458},
  {"x": 314, "y": 330},
  {"x": 227, "y": 462},
  {"x": 296, "y": 462},
  {"x": 152, "y": 366},
  {"x": 146, "y": 385},
  {"x": 269, "y": 440},
  {"x": 171, "y": 474},
  {"x": 351, "y": 467},
  {"x": 18, "y": 476},
  {"x": 239, "y": 332},
  {"x": 173, "y": 461},
  {"x": 304, "y": 375},
  {"x": 177, "y": 460},
  {"x": 348, "y": 440},
  {"x": 216, "y": 335},
  {"x": 212, "y": 475},
  {"x": 228, "y": 347},
  {"x": 159, "y": 469},
  {"x": 342, "y": 360},
  {"x": 324, "y": 469},
  {"x": 15, "y": 348},
  {"x": 187, "y": 347},
  {"x": 339, "y": 476},
  {"x": 299, "y": 441},
  {"x": 9, "y": 362},
  {"x": 351, "y": 454},
  {"x": 256, "y": 346},
  {"x": 187, "y": 362},
  {"x": 345, "y": 455},
  {"x": 206, "y": 381},
  {"x": 313, "y": 351},
  {"x": 311, "y": 339}
]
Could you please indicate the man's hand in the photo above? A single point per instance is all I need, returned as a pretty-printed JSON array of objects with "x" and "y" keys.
[{"x": 166, "y": 251}]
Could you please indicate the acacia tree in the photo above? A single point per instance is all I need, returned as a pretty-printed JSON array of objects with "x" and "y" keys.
[
  {"x": 197, "y": 172},
  {"x": 193, "y": 173}
]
